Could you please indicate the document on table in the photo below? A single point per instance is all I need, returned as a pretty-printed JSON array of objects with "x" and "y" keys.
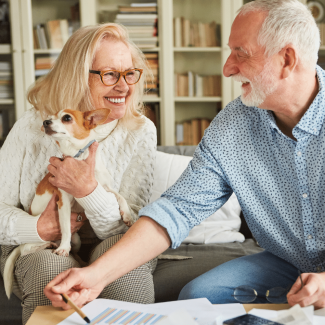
[
  {"x": 105, "y": 311},
  {"x": 293, "y": 316}
]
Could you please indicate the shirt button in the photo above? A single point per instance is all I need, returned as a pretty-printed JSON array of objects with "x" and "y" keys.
[
  {"x": 299, "y": 153},
  {"x": 319, "y": 269},
  {"x": 309, "y": 237},
  {"x": 304, "y": 195}
]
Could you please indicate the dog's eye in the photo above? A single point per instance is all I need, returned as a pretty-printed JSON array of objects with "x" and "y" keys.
[{"x": 66, "y": 118}]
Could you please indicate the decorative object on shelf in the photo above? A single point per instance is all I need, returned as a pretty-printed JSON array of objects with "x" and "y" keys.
[
  {"x": 317, "y": 10},
  {"x": 4, "y": 23}
]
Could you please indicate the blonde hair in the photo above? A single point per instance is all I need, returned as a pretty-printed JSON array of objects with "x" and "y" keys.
[{"x": 66, "y": 85}]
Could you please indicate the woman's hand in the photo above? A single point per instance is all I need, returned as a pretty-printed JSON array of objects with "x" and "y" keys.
[
  {"x": 48, "y": 224},
  {"x": 76, "y": 177},
  {"x": 81, "y": 285}
]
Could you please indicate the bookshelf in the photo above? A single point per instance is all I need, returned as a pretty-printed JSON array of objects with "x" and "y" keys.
[{"x": 171, "y": 108}]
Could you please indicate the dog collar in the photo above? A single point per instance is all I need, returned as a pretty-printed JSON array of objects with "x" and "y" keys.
[{"x": 83, "y": 149}]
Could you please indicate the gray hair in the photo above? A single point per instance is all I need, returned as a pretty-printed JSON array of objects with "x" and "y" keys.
[{"x": 287, "y": 22}]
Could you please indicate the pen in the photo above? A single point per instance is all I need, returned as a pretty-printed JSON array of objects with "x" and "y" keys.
[{"x": 67, "y": 300}]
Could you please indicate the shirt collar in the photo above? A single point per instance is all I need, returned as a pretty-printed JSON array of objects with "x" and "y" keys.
[{"x": 313, "y": 119}]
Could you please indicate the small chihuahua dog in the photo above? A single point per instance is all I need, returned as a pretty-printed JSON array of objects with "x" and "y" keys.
[{"x": 73, "y": 132}]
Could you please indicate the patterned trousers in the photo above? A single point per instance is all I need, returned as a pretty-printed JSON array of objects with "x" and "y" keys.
[{"x": 34, "y": 271}]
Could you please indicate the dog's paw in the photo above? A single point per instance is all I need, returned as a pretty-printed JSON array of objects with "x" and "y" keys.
[
  {"x": 62, "y": 251},
  {"x": 127, "y": 218}
]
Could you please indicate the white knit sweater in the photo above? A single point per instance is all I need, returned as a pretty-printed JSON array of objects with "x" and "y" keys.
[{"x": 129, "y": 157}]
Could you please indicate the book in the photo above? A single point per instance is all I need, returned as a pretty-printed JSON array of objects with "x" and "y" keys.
[
  {"x": 189, "y": 33},
  {"x": 130, "y": 9},
  {"x": 54, "y": 34},
  {"x": 137, "y": 4},
  {"x": 64, "y": 28},
  {"x": 190, "y": 132},
  {"x": 44, "y": 62},
  {"x": 40, "y": 32},
  {"x": 177, "y": 32}
]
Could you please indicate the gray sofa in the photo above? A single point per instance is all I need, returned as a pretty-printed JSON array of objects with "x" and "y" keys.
[{"x": 170, "y": 276}]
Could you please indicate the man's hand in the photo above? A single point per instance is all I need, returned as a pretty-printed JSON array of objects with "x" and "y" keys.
[
  {"x": 48, "y": 224},
  {"x": 76, "y": 177},
  {"x": 81, "y": 285},
  {"x": 313, "y": 292}
]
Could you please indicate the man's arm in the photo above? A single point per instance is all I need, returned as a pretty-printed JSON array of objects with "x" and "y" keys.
[
  {"x": 143, "y": 241},
  {"x": 313, "y": 292}
]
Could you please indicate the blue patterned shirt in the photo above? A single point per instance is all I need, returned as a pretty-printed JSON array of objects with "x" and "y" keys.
[{"x": 279, "y": 182}]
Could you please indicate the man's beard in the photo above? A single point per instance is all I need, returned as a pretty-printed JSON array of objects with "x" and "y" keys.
[{"x": 261, "y": 86}]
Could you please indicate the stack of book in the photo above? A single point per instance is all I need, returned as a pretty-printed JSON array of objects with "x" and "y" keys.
[
  {"x": 197, "y": 34},
  {"x": 43, "y": 65},
  {"x": 194, "y": 85},
  {"x": 54, "y": 33},
  {"x": 152, "y": 82},
  {"x": 140, "y": 19},
  {"x": 190, "y": 132},
  {"x": 6, "y": 83}
]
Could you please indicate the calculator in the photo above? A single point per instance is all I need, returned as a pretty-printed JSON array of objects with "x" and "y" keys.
[{"x": 249, "y": 320}]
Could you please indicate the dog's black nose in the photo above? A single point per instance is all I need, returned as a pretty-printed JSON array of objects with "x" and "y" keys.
[{"x": 47, "y": 123}]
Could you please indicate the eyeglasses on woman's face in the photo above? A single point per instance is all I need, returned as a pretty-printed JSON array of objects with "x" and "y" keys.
[{"x": 112, "y": 77}]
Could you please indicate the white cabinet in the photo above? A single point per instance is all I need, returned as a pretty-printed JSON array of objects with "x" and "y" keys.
[{"x": 171, "y": 59}]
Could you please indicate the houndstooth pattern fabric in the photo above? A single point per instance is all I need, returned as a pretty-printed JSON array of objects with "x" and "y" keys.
[{"x": 34, "y": 271}]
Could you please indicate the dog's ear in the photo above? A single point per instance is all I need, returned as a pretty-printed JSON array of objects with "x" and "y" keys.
[{"x": 96, "y": 117}]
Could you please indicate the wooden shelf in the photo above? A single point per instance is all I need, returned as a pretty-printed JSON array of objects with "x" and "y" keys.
[
  {"x": 47, "y": 51},
  {"x": 197, "y": 49},
  {"x": 198, "y": 99},
  {"x": 151, "y": 99},
  {"x": 6, "y": 101},
  {"x": 153, "y": 49},
  {"x": 5, "y": 73},
  {"x": 5, "y": 48}
]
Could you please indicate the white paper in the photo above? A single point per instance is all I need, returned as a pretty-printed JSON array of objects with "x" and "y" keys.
[
  {"x": 264, "y": 313},
  {"x": 100, "y": 311},
  {"x": 228, "y": 311},
  {"x": 294, "y": 316},
  {"x": 181, "y": 317},
  {"x": 318, "y": 320}
]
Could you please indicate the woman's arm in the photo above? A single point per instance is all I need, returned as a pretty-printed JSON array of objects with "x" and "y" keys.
[
  {"x": 16, "y": 225},
  {"x": 144, "y": 240}
]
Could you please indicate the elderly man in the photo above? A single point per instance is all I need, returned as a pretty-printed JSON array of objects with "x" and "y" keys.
[{"x": 268, "y": 147}]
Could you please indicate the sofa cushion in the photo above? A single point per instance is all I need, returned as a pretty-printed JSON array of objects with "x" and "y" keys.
[
  {"x": 221, "y": 227},
  {"x": 171, "y": 276}
]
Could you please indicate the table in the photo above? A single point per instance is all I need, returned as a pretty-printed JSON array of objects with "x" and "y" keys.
[{"x": 48, "y": 315}]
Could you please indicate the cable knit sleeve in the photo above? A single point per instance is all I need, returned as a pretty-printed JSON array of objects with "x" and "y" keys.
[
  {"x": 16, "y": 225},
  {"x": 102, "y": 208},
  {"x": 137, "y": 181}
]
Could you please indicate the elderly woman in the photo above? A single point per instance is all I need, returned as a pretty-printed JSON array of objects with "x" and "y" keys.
[{"x": 93, "y": 71}]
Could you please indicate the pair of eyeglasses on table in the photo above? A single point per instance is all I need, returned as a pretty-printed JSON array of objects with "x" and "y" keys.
[
  {"x": 278, "y": 295},
  {"x": 246, "y": 294}
]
